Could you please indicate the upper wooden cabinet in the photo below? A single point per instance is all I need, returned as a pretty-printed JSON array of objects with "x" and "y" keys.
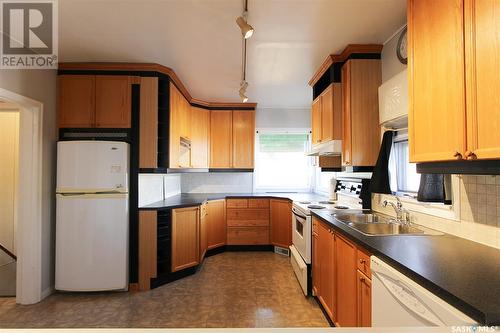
[
  {"x": 361, "y": 131},
  {"x": 148, "y": 123},
  {"x": 232, "y": 136},
  {"x": 88, "y": 101},
  {"x": 76, "y": 99},
  {"x": 180, "y": 130},
  {"x": 453, "y": 80},
  {"x": 281, "y": 222},
  {"x": 243, "y": 139},
  {"x": 221, "y": 139},
  {"x": 326, "y": 121},
  {"x": 113, "y": 101},
  {"x": 185, "y": 238},
  {"x": 200, "y": 134}
]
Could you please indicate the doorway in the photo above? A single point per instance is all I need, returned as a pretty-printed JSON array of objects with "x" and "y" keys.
[{"x": 9, "y": 172}]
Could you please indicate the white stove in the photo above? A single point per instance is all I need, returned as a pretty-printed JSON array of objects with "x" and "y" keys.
[{"x": 348, "y": 197}]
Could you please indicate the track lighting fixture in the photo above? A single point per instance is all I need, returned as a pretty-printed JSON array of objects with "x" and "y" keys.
[
  {"x": 246, "y": 29},
  {"x": 243, "y": 90},
  {"x": 243, "y": 97}
]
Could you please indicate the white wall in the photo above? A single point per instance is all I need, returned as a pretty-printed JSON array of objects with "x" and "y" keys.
[
  {"x": 390, "y": 62},
  {"x": 282, "y": 118},
  {"x": 40, "y": 85},
  {"x": 217, "y": 182},
  {"x": 9, "y": 157}
]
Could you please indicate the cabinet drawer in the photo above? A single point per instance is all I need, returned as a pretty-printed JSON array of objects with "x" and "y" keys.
[
  {"x": 237, "y": 203},
  {"x": 247, "y": 235},
  {"x": 363, "y": 261},
  {"x": 248, "y": 217},
  {"x": 258, "y": 203}
]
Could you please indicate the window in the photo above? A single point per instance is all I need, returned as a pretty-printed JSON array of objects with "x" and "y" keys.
[
  {"x": 403, "y": 175},
  {"x": 281, "y": 163}
]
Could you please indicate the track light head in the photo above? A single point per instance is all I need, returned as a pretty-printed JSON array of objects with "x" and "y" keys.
[
  {"x": 246, "y": 29},
  {"x": 243, "y": 97}
]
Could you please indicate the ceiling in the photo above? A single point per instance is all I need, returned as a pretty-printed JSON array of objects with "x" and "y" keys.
[{"x": 200, "y": 40}]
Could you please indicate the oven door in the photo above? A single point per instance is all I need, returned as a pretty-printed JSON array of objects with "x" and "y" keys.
[{"x": 301, "y": 234}]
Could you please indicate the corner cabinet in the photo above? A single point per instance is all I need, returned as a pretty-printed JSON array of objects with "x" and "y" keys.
[
  {"x": 454, "y": 115},
  {"x": 361, "y": 131},
  {"x": 216, "y": 223},
  {"x": 281, "y": 222},
  {"x": 180, "y": 130},
  {"x": 185, "y": 238},
  {"x": 94, "y": 101},
  {"x": 200, "y": 137}
]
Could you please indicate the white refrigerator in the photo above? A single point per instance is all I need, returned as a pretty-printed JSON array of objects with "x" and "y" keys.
[{"x": 92, "y": 216}]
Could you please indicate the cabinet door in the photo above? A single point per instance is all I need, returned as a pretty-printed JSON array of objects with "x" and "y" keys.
[
  {"x": 326, "y": 250},
  {"x": 179, "y": 155},
  {"x": 185, "y": 238},
  {"x": 436, "y": 80},
  {"x": 200, "y": 128},
  {"x": 327, "y": 114},
  {"x": 362, "y": 130},
  {"x": 483, "y": 82},
  {"x": 364, "y": 300},
  {"x": 346, "y": 282},
  {"x": 216, "y": 223},
  {"x": 148, "y": 123},
  {"x": 316, "y": 259},
  {"x": 346, "y": 114},
  {"x": 113, "y": 101},
  {"x": 76, "y": 101},
  {"x": 147, "y": 248},
  {"x": 221, "y": 138},
  {"x": 203, "y": 232},
  {"x": 316, "y": 121},
  {"x": 243, "y": 139},
  {"x": 281, "y": 223}
]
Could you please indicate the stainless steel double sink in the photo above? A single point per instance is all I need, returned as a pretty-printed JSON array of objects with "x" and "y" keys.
[{"x": 372, "y": 224}]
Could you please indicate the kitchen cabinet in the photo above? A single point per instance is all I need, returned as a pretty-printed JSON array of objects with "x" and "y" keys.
[
  {"x": 281, "y": 222},
  {"x": 364, "y": 300},
  {"x": 113, "y": 101},
  {"x": 180, "y": 133},
  {"x": 327, "y": 115},
  {"x": 248, "y": 221},
  {"x": 341, "y": 277},
  {"x": 360, "y": 116},
  {"x": 216, "y": 223},
  {"x": 200, "y": 133},
  {"x": 148, "y": 123},
  {"x": 185, "y": 238},
  {"x": 203, "y": 231},
  {"x": 147, "y": 248},
  {"x": 76, "y": 101},
  {"x": 454, "y": 115},
  {"x": 243, "y": 139},
  {"x": 94, "y": 101},
  {"x": 221, "y": 139}
]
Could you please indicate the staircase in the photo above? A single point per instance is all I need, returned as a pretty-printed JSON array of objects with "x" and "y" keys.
[{"x": 8, "y": 262}]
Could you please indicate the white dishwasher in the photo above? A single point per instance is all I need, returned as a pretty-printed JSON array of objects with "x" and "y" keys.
[{"x": 398, "y": 301}]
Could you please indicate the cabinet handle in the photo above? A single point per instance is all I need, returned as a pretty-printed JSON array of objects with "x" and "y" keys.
[
  {"x": 362, "y": 261},
  {"x": 457, "y": 155},
  {"x": 362, "y": 279},
  {"x": 347, "y": 163},
  {"x": 469, "y": 155}
]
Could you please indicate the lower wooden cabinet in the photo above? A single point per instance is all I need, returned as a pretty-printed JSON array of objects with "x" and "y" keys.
[
  {"x": 364, "y": 300},
  {"x": 281, "y": 222},
  {"x": 185, "y": 238},
  {"x": 216, "y": 223},
  {"x": 147, "y": 248},
  {"x": 248, "y": 222},
  {"x": 341, "y": 277},
  {"x": 248, "y": 235},
  {"x": 203, "y": 232}
]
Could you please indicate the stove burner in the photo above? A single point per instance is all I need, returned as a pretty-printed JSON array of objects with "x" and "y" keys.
[
  {"x": 327, "y": 202},
  {"x": 304, "y": 202},
  {"x": 315, "y": 207},
  {"x": 341, "y": 207}
]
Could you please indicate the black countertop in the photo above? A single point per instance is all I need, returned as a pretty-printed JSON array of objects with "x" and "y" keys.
[
  {"x": 194, "y": 199},
  {"x": 463, "y": 273}
]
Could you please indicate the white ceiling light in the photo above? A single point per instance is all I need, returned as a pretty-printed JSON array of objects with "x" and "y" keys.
[{"x": 246, "y": 29}]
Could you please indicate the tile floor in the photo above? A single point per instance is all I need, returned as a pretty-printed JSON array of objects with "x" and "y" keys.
[{"x": 232, "y": 289}]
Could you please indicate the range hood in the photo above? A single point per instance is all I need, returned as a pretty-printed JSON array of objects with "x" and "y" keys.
[{"x": 330, "y": 148}]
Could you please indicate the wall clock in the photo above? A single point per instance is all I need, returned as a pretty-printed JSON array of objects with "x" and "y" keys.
[{"x": 402, "y": 47}]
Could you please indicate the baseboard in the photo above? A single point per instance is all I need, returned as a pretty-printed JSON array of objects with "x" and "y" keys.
[{"x": 47, "y": 292}]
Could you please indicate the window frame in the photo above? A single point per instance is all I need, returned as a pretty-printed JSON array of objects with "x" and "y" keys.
[
  {"x": 257, "y": 169},
  {"x": 400, "y": 136}
]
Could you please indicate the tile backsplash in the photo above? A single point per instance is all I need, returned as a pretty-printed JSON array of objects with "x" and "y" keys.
[
  {"x": 480, "y": 199},
  {"x": 217, "y": 182},
  {"x": 156, "y": 187}
]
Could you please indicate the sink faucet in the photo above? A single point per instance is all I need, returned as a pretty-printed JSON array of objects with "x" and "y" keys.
[{"x": 400, "y": 211}]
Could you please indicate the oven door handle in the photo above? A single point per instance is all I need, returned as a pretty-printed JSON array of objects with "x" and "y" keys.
[{"x": 299, "y": 216}]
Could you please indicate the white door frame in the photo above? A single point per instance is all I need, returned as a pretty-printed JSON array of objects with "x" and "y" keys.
[{"x": 29, "y": 223}]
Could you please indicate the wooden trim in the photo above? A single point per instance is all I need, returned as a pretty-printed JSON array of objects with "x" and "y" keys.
[
  {"x": 149, "y": 67},
  {"x": 147, "y": 248},
  {"x": 133, "y": 287},
  {"x": 346, "y": 53}
]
